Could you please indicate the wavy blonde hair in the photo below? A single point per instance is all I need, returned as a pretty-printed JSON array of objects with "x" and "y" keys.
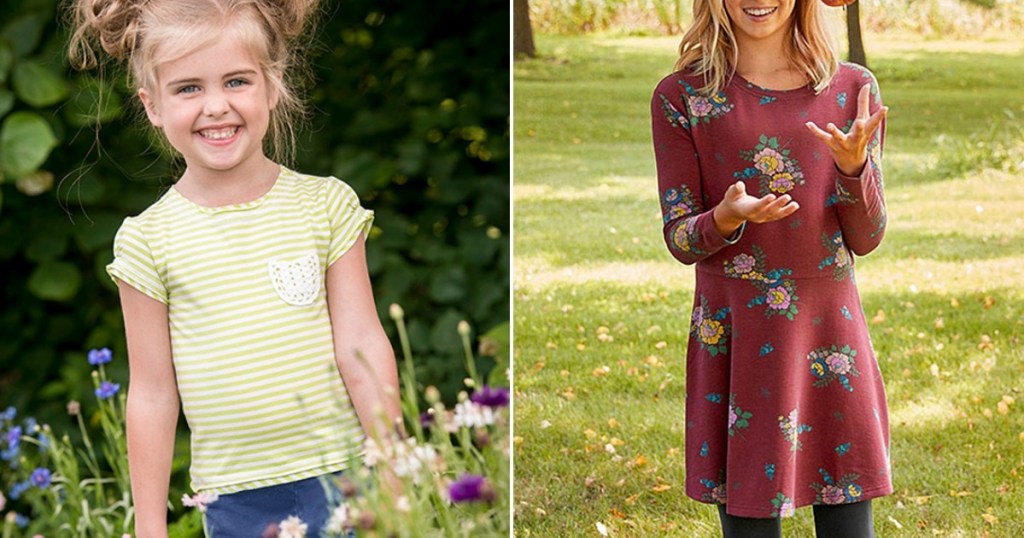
[
  {"x": 146, "y": 33},
  {"x": 709, "y": 47}
]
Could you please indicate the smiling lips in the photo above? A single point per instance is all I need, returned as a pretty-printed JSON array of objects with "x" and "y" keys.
[
  {"x": 759, "y": 12},
  {"x": 218, "y": 134}
]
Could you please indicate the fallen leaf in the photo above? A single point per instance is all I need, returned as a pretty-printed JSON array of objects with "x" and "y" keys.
[
  {"x": 879, "y": 318},
  {"x": 988, "y": 302},
  {"x": 601, "y": 371},
  {"x": 954, "y": 303},
  {"x": 661, "y": 488},
  {"x": 609, "y": 448},
  {"x": 639, "y": 461},
  {"x": 581, "y": 346},
  {"x": 673, "y": 452},
  {"x": 590, "y": 433},
  {"x": 551, "y": 345},
  {"x": 661, "y": 345},
  {"x": 612, "y": 423},
  {"x": 896, "y": 523},
  {"x": 617, "y": 513},
  {"x": 1002, "y": 408},
  {"x": 632, "y": 499}
]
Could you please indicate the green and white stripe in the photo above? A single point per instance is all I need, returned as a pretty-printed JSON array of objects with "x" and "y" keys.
[{"x": 258, "y": 382}]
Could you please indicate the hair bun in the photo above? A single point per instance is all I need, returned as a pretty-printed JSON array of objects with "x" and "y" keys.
[{"x": 111, "y": 24}]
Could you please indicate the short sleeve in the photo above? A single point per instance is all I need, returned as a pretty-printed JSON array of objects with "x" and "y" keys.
[
  {"x": 134, "y": 263},
  {"x": 347, "y": 218}
]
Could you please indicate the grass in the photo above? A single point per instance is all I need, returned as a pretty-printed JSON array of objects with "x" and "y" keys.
[{"x": 602, "y": 310}]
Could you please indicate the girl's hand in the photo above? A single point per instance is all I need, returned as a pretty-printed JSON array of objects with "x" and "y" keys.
[
  {"x": 850, "y": 149},
  {"x": 738, "y": 207}
]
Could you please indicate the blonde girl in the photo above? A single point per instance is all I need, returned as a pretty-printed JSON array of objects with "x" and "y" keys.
[
  {"x": 244, "y": 287},
  {"x": 768, "y": 153}
]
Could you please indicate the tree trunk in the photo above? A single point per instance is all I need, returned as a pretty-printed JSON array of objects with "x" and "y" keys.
[
  {"x": 857, "y": 54},
  {"x": 522, "y": 31}
]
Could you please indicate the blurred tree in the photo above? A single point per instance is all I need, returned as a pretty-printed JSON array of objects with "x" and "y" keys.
[
  {"x": 857, "y": 54},
  {"x": 522, "y": 30}
]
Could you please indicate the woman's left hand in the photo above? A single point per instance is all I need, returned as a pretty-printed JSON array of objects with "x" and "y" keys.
[{"x": 850, "y": 149}]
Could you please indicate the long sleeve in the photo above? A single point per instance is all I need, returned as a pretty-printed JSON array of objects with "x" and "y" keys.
[
  {"x": 861, "y": 207},
  {"x": 689, "y": 228}
]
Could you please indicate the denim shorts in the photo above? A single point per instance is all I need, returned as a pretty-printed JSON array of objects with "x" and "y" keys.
[{"x": 247, "y": 514}]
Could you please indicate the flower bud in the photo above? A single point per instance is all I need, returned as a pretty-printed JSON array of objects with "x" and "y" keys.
[
  {"x": 463, "y": 328},
  {"x": 74, "y": 408},
  {"x": 432, "y": 394},
  {"x": 396, "y": 312}
]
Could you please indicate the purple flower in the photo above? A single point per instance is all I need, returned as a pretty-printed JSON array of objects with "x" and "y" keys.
[
  {"x": 426, "y": 419},
  {"x": 491, "y": 396},
  {"x": 107, "y": 389},
  {"x": 471, "y": 488},
  {"x": 9, "y": 413},
  {"x": 41, "y": 477},
  {"x": 100, "y": 356}
]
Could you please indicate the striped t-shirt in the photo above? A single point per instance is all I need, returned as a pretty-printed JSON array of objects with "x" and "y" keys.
[{"x": 250, "y": 332}]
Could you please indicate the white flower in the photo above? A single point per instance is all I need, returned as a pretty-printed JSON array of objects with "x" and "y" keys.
[
  {"x": 199, "y": 501},
  {"x": 402, "y": 504},
  {"x": 292, "y": 527},
  {"x": 469, "y": 414},
  {"x": 339, "y": 522},
  {"x": 373, "y": 453}
]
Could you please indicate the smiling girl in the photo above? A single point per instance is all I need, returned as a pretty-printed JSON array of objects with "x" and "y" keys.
[
  {"x": 768, "y": 153},
  {"x": 244, "y": 288}
]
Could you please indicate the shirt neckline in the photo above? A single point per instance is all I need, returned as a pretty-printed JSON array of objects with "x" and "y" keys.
[
  {"x": 749, "y": 87},
  {"x": 244, "y": 206}
]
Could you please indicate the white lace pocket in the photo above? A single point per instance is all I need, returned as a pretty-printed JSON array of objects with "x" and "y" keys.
[{"x": 297, "y": 282}]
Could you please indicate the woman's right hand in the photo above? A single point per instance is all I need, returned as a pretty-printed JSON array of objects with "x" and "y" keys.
[{"x": 738, "y": 207}]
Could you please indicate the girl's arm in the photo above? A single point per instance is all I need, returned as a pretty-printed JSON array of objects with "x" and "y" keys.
[
  {"x": 692, "y": 231},
  {"x": 362, "y": 350},
  {"x": 858, "y": 157},
  {"x": 152, "y": 408}
]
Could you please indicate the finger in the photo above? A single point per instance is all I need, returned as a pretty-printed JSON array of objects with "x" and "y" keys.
[
  {"x": 862, "y": 101},
  {"x": 818, "y": 132},
  {"x": 837, "y": 134},
  {"x": 876, "y": 120}
]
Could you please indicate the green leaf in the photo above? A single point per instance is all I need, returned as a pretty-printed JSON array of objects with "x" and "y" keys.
[
  {"x": 25, "y": 143},
  {"x": 6, "y": 59},
  {"x": 92, "y": 101},
  {"x": 6, "y": 101},
  {"x": 98, "y": 233},
  {"x": 55, "y": 281},
  {"x": 449, "y": 286},
  {"x": 37, "y": 85},
  {"x": 444, "y": 336},
  {"x": 23, "y": 33}
]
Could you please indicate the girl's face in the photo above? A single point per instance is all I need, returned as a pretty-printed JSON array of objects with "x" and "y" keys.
[
  {"x": 213, "y": 105},
  {"x": 759, "y": 19}
]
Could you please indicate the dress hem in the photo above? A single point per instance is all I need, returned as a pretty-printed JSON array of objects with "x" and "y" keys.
[{"x": 748, "y": 512}]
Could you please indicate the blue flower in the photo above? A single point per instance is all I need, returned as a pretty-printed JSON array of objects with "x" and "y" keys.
[
  {"x": 21, "y": 521},
  {"x": 11, "y": 455},
  {"x": 100, "y": 356},
  {"x": 107, "y": 389},
  {"x": 9, "y": 413},
  {"x": 41, "y": 477},
  {"x": 491, "y": 396},
  {"x": 14, "y": 437},
  {"x": 30, "y": 425},
  {"x": 44, "y": 442},
  {"x": 18, "y": 489}
]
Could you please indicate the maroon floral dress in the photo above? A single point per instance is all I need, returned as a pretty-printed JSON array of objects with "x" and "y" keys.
[{"x": 785, "y": 405}]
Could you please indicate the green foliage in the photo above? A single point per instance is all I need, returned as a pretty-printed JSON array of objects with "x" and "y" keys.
[{"x": 410, "y": 107}]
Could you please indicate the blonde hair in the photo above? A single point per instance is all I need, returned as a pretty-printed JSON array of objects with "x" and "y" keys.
[
  {"x": 146, "y": 33},
  {"x": 709, "y": 47}
]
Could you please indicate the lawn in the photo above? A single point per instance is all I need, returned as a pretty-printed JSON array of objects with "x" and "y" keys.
[{"x": 602, "y": 309}]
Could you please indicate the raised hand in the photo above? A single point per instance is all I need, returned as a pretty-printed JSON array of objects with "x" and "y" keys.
[
  {"x": 849, "y": 150},
  {"x": 738, "y": 207}
]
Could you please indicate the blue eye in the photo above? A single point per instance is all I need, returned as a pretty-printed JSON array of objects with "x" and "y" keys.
[
  {"x": 191, "y": 88},
  {"x": 237, "y": 83}
]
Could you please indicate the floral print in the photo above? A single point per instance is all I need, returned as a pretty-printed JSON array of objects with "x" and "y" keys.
[
  {"x": 778, "y": 293},
  {"x": 738, "y": 418},
  {"x": 672, "y": 114},
  {"x": 704, "y": 108},
  {"x": 776, "y": 171},
  {"x": 716, "y": 489},
  {"x": 832, "y": 363},
  {"x": 709, "y": 329},
  {"x": 846, "y": 490},
  {"x": 792, "y": 429},
  {"x": 678, "y": 203},
  {"x": 839, "y": 258},
  {"x": 783, "y": 506}
]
